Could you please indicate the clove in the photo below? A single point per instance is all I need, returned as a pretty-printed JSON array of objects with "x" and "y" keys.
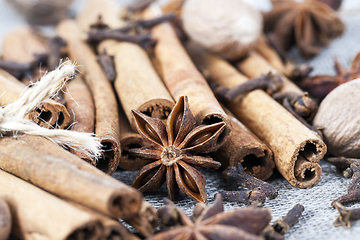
[
  {"x": 235, "y": 176},
  {"x": 97, "y": 35},
  {"x": 106, "y": 62},
  {"x": 55, "y": 46},
  {"x": 270, "y": 83},
  {"x": 21, "y": 69},
  {"x": 342, "y": 163},
  {"x": 353, "y": 194},
  {"x": 302, "y": 104},
  {"x": 248, "y": 197},
  {"x": 346, "y": 215},
  {"x": 283, "y": 225}
]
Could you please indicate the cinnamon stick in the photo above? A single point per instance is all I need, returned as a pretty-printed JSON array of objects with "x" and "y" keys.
[
  {"x": 106, "y": 119},
  {"x": 49, "y": 114},
  {"x": 182, "y": 78},
  {"x": 44, "y": 164},
  {"x": 254, "y": 65},
  {"x": 131, "y": 202},
  {"x": 141, "y": 90},
  {"x": 129, "y": 139},
  {"x": 80, "y": 104},
  {"x": 40, "y": 215},
  {"x": 23, "y": 46},
  {"x": 244, "y": 147},
  {"x": 296, "y": 149}
]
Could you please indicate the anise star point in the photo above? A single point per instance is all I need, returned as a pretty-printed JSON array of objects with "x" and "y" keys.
[{"x": 174, "y": 144}]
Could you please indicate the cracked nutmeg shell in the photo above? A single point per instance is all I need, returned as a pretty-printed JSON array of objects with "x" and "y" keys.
[
  {"x": 339, "y": 115},
  {"x": 229, "y": 28}
]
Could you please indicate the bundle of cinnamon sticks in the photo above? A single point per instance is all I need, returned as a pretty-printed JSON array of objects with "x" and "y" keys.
[{"x": 136, "y": 63}]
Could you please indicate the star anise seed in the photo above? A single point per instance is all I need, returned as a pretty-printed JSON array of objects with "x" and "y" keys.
[
  {"x": 213, "y": 223},
  {"x": 309, "y": 24},
  {"x": 173, "y": 147},
  {"x": 320, "y": 85}
]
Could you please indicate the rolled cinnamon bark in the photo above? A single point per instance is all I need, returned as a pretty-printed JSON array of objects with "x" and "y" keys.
[
  {"x": 44, "y": 164},
  {"x": 129, "y": 139},
  {"x": 48, "y": 114},
  {"x": 21, "y": 45},
  {"x": 106, "y": 108},
  {"x": 269, "y": 54},
  {"x": 296, "y": 149},
  {"x": 145, "y": 92},
  {"x": 254, "y": 65},
  {"x": 182, "y": 78},
  {"x": 244, "y": 147},
  {"x": 131, "y": 202},
  {"x": 141, "y": 90},
  {"x": 80, "y": 104},
  {"x": 40, "y": 215}
]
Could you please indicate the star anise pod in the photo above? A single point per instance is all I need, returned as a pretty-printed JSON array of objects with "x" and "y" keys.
[
  {"x": 211, "y": 222},
  {"x": 320, "y": 85},
  {"x": 309, "y": 24},
  {"x": 175, "y": 148}
]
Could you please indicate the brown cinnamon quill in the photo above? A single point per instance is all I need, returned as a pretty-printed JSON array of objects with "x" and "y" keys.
[
  {"x": 244, "y": 147},
  {"x": 80, "y": 104},
  {"x": 48, "y": 114},
  {"x": 296, "y": 149},
  {"x": 52, "y": 168},
  {"x": 141, "y": 90},
  {"x": 40, "y": 215},
  {"x": 106, "y": 119},
  {"x": 182, "y": 78}
]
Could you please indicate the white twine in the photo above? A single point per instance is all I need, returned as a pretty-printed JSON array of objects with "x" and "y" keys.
[{"x": 12, "y": 121}]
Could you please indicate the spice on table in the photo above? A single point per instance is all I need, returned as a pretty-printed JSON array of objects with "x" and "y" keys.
[
  {"x": 145, "y": 221},
  {"x": 49, "y": 166},
  {"x": 31, "y": 54},
  {"x": 106, "y": 118},
  {"x": 308, "y": 24},
  {"x": 266, "y": 118},
  {"x": 48, "y": 114},
  {"x": 235, "y": 176},
  {"x": 282, "y": 63},
  {"x": 270, "y": 234},
  {"x": 5, "y": 220},
  {"x": 247, "y": 197},
  {"x": 214, "y": 223},
  {"x": 338, "y": 117},
  {"x": 129, "y": 139},
  {"x": 182, "y": 78},
  {"x": 269, "y": 83},
  {"x": 80, "y": 104},
  {"x": 130, "y": 199},
  {"x": 349, "y": 197},
  {"x": 283, "y": 225},
  {"x": 146, "y": 91},
  {"x": 346, "y": 215},
  {"x": 319, "y": 86},
  {"x": 175, "y": 148},
  {"x": 107, "y": 64},
  {"x": 243, "y": 146},
  {"x": 342, "y": 163},
  {"x": 37, "y": 212},
  {"x": 255, "y": 65},
  {"x": 55, "y": 45}
]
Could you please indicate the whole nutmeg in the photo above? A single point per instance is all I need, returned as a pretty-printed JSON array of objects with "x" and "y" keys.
[
  {"x": 339, "y": 115},
  {"x": 229, "y": 27},
  {"x": 5, "y": 220}
]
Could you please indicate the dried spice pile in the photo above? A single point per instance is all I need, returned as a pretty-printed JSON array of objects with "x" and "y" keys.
[{"x": 174, "y": 119}]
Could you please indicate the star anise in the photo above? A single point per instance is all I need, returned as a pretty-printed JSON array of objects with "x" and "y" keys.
[
  {"x": 211, "y": 222},
  {"x": 320, "y": 85},
  {"x": 309, "y": 24},
  {"x": 173, "y": 147}
]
